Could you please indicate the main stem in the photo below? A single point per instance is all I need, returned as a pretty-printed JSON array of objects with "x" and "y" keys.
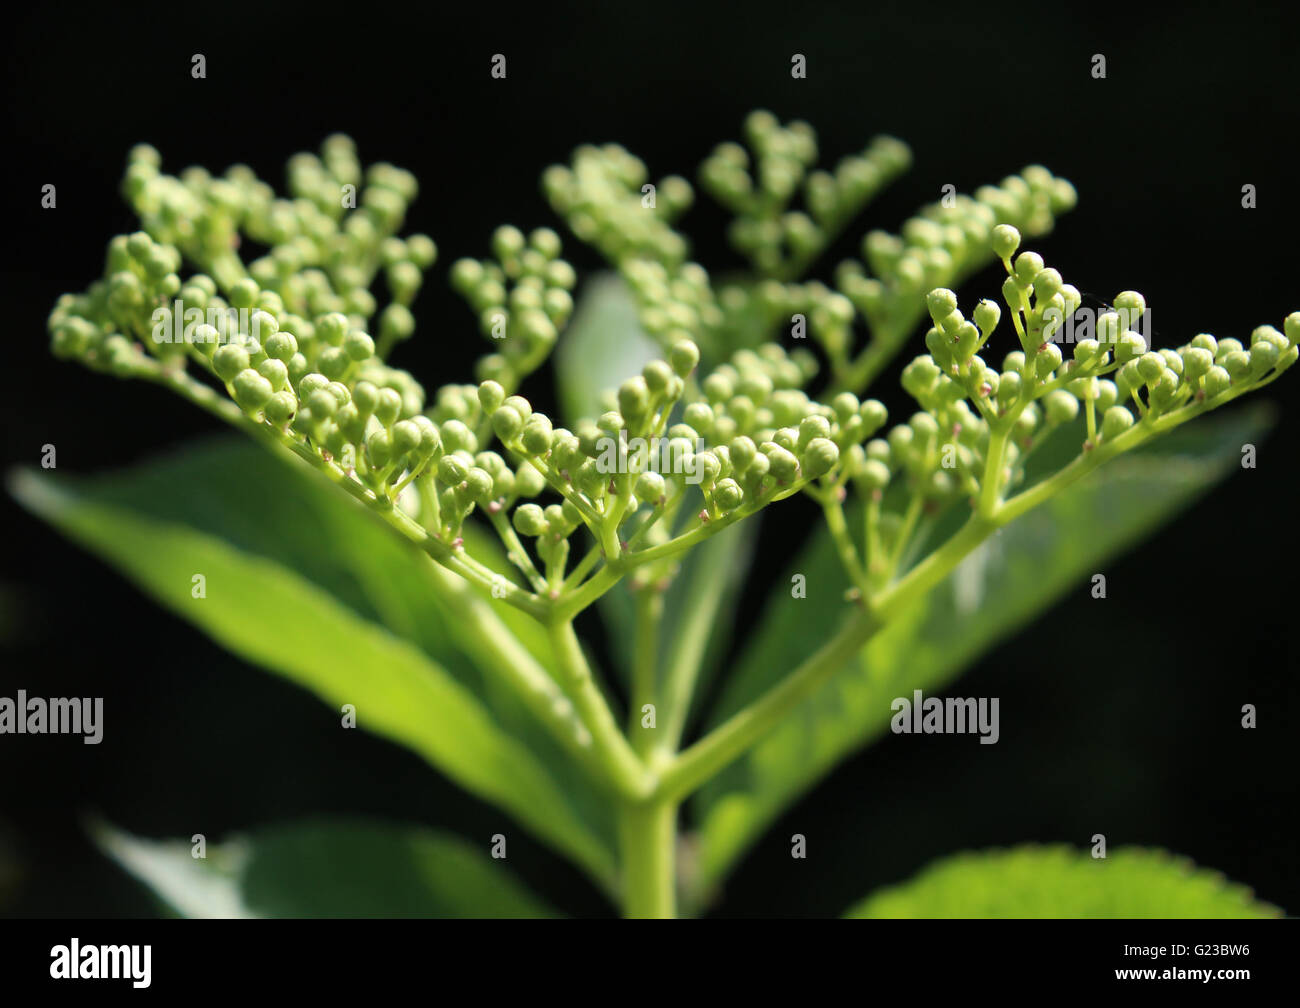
[{"x": 647, "y": 842}]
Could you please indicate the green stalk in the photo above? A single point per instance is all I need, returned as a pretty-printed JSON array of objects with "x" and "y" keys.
[
  {"x": 649, "y": 603},
  {"x": 627, "y": 770},
  {"x": 731, "y": 739},
  {"x": 647, "y": 843}
]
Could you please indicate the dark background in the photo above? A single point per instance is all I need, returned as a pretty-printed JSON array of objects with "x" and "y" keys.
[{"x": 1135, "y": 736}]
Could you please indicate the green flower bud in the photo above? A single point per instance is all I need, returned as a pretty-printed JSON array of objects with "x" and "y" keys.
[
  {"x": 280, "y": 346},
  {"x": 251, "y": 390},
  {"x": 520, "y": 405},
  {"x": 1047, "y": 361},
  {"x": 1115, "y": 422},
  {"x": 683, "y": 357},
  {"x": 479, "y": 485},
  {"x": 699, "y": 416},
  {"x": 1217, "y": 381},
  {"x": 634, "y": 400},
  {"x": 275, "y": 372},
  {"x": 1109, "y": 329},
  {"x": 742, "y": 451},
  {"x": 1106, "y": 394},
  {"x": 243, "y": 294},
  {"x": 358, "y": 345},
  {"x": 351, "y": 423},
  {"x": 452, "y": 469},
  {"x": 728, "y": 495},
  {"x": 1197, "y": 361},
  {"x": 430, "y": 437},
  {"x": 1150, "y": 366},
  {"x": 1028, "y": 266},
  {"x": 490, "y": 396},
  {"x": 1292, "y": 328},
  {"x": 820, "y": 456},
  {"x": 389, "y": 407},
  {"x": 406, "y": 438},
  {"x": 379, "y": 449},
  {"x": 1006, "y": 239},
  {"x": 366, "y": 398},
  {"x": 1087, "y": 351},
  {"x": 1060, "y": 407},
  {"x": 332, "y": 329},
  {"x": 941, "y": 302},
  {"x": 1131, "y": 305},
  {"x": 229, "y": 360},
  {"x": 1236, "y": 363},
  {"x": 650, "y": 488},
  {"x": 873, "y": 415},
  {"x": 709, "y": 467},
  {"x": 1047, "y": 284},
  {"x": 941, "y": 349},
  {"x": 1008, "y": 388},
  {"x": 782, "y": 463},
  {"x": 811, "y": 427},
  {"x": 322, "y": 404},
  {"x": 299, "y": 368},
  {"x": 658, "y": 376},
  {"x": 1263, "y": 355},
  {"x": 1128, "y": 379},
  {"x": 987, "y": 313},
  {"x": 1227, "y": 346},
  {"x": 1163, "y": 391},
  {"x": 458, "y": 437},
  {"x": 1131, "y": 345},
  {"x": 280, "y": 408},
  {"x": 421, "y": 250},
  {"x": 1204, "y": 341},
  {"x": 537, "y": 434},
  {"x": 718, "y": 388},
  {"x": 529, "y": 520},
  {"x": 874, "y": 474}
]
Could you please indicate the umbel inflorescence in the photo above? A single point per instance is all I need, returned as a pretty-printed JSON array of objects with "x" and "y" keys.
[
  {"x": 296, "y": 339},
  {"x": 295, "y": 348}
]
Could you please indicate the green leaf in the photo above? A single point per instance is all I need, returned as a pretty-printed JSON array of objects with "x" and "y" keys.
[
  {"x": 1004, "y": 584},
  {"x": 330, "y": 868},
  {"x": 200, "y": 513},
  {"x": 1054, "y": 882},
  {"x": 602, "y": 347}
]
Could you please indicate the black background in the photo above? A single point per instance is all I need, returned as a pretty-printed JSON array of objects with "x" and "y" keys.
[{"x": 1135, "y": 736}]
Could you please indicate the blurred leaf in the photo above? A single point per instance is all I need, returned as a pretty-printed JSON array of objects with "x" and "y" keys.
[
  {"x": 272, "y": 615},
  {"x": 1008, "y": 581},
  {"x": 602, "y": 347},
  {"x": 331, "y": 868},
  {"x": 1055, "y": 882}
]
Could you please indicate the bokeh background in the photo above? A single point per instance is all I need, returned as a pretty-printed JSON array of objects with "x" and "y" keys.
[{"x": 1135, "y": 735}]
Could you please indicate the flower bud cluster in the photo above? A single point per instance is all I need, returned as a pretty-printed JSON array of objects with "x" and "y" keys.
[
  {"x": 522, "y": 299},
  {"x": 677, "y": 447},
  {"x": 607, "y": 201},
  {"x": 1115, "y": 378},
  {"x": 943, "y": 244},
  {"x": 778, "y": 240},
  {"x": 326, "y": 241}
]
